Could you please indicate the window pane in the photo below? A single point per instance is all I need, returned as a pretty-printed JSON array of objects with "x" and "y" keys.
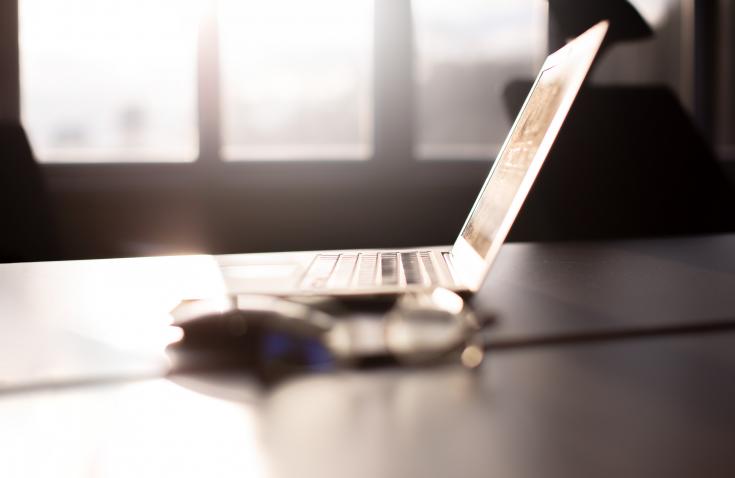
[
  {"x": 662, "y": 59},
  {"x": 109, "y": 80},
  {"x": 468, "y": 51},
  {"x": 296, "y": 78},
  {"x": 668, "y": 59}
]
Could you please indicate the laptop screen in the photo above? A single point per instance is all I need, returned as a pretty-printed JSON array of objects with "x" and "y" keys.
[
  {"x": 514, "y": 161},
  {"x": 522, "y": 156}
]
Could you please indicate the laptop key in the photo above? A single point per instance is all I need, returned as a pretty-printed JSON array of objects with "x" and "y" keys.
[
  {"x": 411, "y": 268},
  {"x": 367, "y": 268},
  {"x": 342, "y": 273},
  {"x": 318, "y": 274},
  {"x": 389, "y": 268},
  {"x": 429, "y": 267}
]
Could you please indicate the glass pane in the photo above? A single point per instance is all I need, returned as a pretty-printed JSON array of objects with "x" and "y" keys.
[
  {"x": 109, "y": 80},
  {"x": 668, "y": 59},
  {"x": 468, "y": 51},
  {"x": 296, "y": 78},
  {"x": 658, "y": 60}
]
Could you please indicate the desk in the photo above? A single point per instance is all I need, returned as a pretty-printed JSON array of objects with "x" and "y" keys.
[{"x": 654, "y": 406}]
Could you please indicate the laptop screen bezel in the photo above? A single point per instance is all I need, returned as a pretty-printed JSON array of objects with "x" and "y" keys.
[{"x": 578, "y": 55}]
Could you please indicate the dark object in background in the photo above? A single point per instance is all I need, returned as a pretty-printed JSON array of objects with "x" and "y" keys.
[
  {"x": 25, "y": 217},
  {"x": 629, "y": 162},
  {"x": 569, "y": 18}
]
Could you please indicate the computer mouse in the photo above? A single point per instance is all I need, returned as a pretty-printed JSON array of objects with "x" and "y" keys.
[{"x": 267, "y": 339}]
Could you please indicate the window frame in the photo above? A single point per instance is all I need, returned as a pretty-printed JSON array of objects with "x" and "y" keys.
[
  {"x": 725, "y": 121},
  {"x": 392, "y": 129},
  {"x": 393, "y": 151},
  {"x": 392, "y": 158}
]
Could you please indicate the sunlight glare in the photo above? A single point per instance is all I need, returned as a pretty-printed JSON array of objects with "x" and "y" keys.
[
  {"x": 295, "y": 76},
  {"x": 104, "y": 78},
  {"x": 317, "y": 38}
]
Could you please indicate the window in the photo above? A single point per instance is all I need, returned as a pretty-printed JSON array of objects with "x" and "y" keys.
[
  {"x": 158, "y": 80},
  {"x": 467, "y": 52},
  {"x": 668, "y": 58},
  {"x": 662, "y": 59},
  {"x": 293, "y": 79},
  {"x": 109, "y": 80},
  {"x": 296, "y": 79}
]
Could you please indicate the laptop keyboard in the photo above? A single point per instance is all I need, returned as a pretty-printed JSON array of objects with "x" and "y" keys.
[{"x": 371, "y": 269}]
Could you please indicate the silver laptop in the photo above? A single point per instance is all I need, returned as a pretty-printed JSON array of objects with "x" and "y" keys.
[{"x": 463, "y": 266}]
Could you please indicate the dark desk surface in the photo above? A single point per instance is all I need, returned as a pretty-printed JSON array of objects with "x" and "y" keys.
[
  {"x": 547, "y": 290},
  {"x": 654, "y": 406},
  {"x": 649, "y": 408}
]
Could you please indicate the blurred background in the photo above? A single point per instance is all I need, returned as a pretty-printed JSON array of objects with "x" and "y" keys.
[{"x": 218, "y": 126}]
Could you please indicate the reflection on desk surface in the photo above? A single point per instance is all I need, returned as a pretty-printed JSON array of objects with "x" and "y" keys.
[{"x": 658, "y": 407}]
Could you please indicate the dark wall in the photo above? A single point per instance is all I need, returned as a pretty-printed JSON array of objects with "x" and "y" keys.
[
  {"x": 420, "y": 207},
  {"x": 199, "y": 218}
]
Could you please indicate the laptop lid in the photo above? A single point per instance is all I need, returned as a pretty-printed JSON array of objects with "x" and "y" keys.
[{"x": 522, "y": 155}]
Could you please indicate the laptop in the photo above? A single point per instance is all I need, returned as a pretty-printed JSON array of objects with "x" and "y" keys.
[{"x": 463, "y": 266}]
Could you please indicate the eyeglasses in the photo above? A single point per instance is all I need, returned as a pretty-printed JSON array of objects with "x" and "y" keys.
[
  {"x": 276, "y": 337},
  {"x": 420, "y": 329}
]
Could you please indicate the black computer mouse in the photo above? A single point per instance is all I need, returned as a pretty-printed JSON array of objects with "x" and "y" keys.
[{"x": 268, "y": 342}]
